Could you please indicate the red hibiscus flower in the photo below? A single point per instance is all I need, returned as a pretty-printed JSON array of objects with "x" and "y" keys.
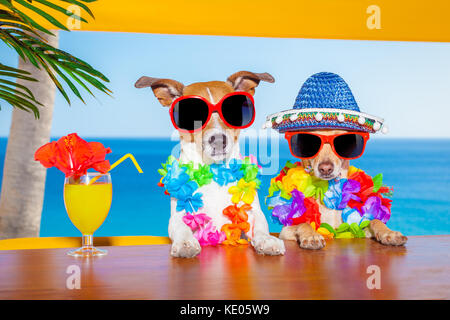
[
  {"x": 73, "y": 156},
  {"x": 366, "y": 191},
  {"x": 280, "y": 176},
  {"x": 312, "y": 213},
  {"x": 364, "y": 180}
]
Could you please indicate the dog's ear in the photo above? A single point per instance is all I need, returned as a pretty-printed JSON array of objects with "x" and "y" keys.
[
  {"x": 247, "y": 81},
  {"x": 165, "y": 90}
]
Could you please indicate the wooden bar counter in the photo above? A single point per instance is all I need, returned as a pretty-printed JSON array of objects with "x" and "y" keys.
[{"x": 420, "y": 270}]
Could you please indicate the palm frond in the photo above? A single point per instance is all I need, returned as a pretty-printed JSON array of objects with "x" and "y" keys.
[
  {"x": 19, "y": 32},
  {"x": 42, "y": 55},
  {"x": 14, "y": 7},
  {"x": 16, "y": 94}
]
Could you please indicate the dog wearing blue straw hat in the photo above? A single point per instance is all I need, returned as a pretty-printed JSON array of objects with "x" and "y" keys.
[{"x": 321, "y": 196}]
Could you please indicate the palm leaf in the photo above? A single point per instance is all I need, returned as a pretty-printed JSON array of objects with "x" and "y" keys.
[
  {"x": 61, "y": 9},
  {"x": 15, "y": 75},
  {"x": 25, "y": 19},
  {"x": 81, "y": 83},
  {"x": 81, "y": 5},
  {"x": 16, "y": 94},
  {"x": 11, "y": 69},
  {"x": 64, "y": 77},
  {"x": 19, "y": 31},
  {"x": 8, "y": 19},
  {"x": 15, "y": 84},
  {"x": 43, "y": 14},
  {"x": 11, "y": 4}
]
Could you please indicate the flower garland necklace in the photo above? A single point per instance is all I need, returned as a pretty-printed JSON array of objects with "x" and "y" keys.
[
  {"x": 181, "y": 181},
  {"x": 361, "y": 198}
]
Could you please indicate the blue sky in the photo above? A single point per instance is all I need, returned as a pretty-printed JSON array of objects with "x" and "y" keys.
[{"x": 406, "y": 83}]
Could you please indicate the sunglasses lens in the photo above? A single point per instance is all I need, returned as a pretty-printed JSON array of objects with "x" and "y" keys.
[
  {"x": 190, "y": 114},
  {"x": 349, "y": 145},
  {"x": 305, "y": 145},
  {"x": 238, "y": 110}
]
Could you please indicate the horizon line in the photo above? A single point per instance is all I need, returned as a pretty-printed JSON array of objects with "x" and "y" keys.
[{"x": 251, "y": 137}]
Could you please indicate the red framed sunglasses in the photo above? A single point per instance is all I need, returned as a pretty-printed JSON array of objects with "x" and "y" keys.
[
  {"x": 192, "y": 113},
  {"x": 306, "y": 145}
]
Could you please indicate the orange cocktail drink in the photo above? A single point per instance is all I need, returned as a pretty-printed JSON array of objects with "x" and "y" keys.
[
  {"x": 88, "y": 205},
  {"x": 88, "y": 200}
]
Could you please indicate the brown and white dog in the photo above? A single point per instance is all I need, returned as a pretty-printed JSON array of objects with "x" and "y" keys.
[
  {"x": 214, "y": 144},
  {"x": 327, "y": 166}
]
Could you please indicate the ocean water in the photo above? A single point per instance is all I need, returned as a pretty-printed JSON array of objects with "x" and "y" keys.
[{"x": 419, "y": 171}]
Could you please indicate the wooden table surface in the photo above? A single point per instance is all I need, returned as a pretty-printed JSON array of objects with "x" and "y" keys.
[{"x": 420, "y": 270}]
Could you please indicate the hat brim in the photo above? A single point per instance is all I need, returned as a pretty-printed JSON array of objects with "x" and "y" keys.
[{"x": 323, "y": 118}]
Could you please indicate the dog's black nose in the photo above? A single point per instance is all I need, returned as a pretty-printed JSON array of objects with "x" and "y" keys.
[
  {"x": 326, "y": 168},
  {"x": 218, "y": 141}
]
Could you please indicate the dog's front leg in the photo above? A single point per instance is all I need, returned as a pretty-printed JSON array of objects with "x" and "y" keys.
[
  {"x": 262, "y": 241},
  {"x": 386, "y": 236},
  {"x": 184, "y": 244},
  {"x": 305, "y": 235}
]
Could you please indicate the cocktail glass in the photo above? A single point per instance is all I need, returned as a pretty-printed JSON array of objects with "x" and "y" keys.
[{"x": 87, "y": 200}]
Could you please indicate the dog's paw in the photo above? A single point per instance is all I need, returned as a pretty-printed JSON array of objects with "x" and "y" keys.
[
  {"x": 391, "y": 238},
  {"x": 267, "y": 244},
  {"x": 186, "y": 248},
  {"x": 314, "y": 241}
]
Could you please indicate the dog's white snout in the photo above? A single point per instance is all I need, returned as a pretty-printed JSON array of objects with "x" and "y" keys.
[{"x": 218, "y": 141}]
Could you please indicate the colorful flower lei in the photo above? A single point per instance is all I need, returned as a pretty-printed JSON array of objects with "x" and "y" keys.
[
  {"x": 293, "y": 196},
  {"x": 181, "y": 181}
]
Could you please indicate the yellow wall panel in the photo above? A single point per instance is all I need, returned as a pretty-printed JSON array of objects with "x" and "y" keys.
[{"x": 410, "y": 20}]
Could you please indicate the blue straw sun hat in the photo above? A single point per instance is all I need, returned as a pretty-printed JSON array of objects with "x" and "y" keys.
[{"x": 325, "y": 101}]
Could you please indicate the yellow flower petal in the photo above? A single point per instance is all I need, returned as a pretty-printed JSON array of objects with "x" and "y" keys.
[
  {"x": 323, "y": 231},
  {"x": 241, "y": 183},
  {"x": 352, "y": 170},
  {"x": 296, "y": 178},
  {"x": 236, "y": 197},
  {"x": 249, "y": 196}
]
